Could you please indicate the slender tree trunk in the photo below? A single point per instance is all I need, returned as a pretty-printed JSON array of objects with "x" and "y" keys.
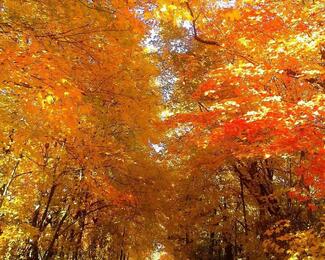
[
  {"x": 80, "y": 234},
  {"x": 51, "y": 194},
  {"x": 121, "y": 254},
  {"x": 228, "y": 252},
  {"x": 211, "y": 247},
  {"x": 243, "y": 203},
  {"x": 11, "y": 179},
  {"x": 49, "y": 252},
  {"x": 33, "y": 251}
]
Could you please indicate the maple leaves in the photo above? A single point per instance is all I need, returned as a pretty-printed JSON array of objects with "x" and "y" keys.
[
  {"x": 255, "y": 115},
  {"x": 77, "y": 102},
  {"x": 306, "y": 244},
  {"x": 241, "y": 164}
]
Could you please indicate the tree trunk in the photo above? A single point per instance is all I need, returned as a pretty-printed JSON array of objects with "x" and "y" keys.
[
  {"x": 228, "y": 252},
  {"x": 258, "y": 181},
  {"x": 49, "y": 252}
]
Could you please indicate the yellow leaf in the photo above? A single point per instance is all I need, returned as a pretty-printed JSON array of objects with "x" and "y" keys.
[
  {"x": 148, "y": 15},
  {"x": 244, "y": 41},
  {"x": 232, "y": 15},
  {"x": 49, "y": 99}
]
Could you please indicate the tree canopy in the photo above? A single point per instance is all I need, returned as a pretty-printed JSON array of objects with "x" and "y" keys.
[{"x": 162, "y": 129}]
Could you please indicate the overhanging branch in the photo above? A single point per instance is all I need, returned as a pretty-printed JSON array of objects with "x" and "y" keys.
[{"x": 196, "y": 36}]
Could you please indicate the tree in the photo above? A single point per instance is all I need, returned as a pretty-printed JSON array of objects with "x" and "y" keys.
[
  {"x": 76, "y": 105},
  {"x": 259, "y": 111},
  {"x": 179, "y": 129}
]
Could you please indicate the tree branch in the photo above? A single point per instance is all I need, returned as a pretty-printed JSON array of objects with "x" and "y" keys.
[{"x": 196, "y": 36}]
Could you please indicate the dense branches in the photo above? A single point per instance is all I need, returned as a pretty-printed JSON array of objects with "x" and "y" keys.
[{"x": 170, "y": 128}]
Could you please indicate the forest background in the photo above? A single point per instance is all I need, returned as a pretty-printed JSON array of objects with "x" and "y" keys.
[{"x": 162, "y": 129}]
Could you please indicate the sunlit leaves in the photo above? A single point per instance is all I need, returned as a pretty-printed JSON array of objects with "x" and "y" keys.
[
  {"x": 77, "y": 100},
  {"x": 253, "y": 114}
]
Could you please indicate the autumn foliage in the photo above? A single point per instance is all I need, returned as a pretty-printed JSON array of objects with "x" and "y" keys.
[{"x": 187, "y": 129}]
